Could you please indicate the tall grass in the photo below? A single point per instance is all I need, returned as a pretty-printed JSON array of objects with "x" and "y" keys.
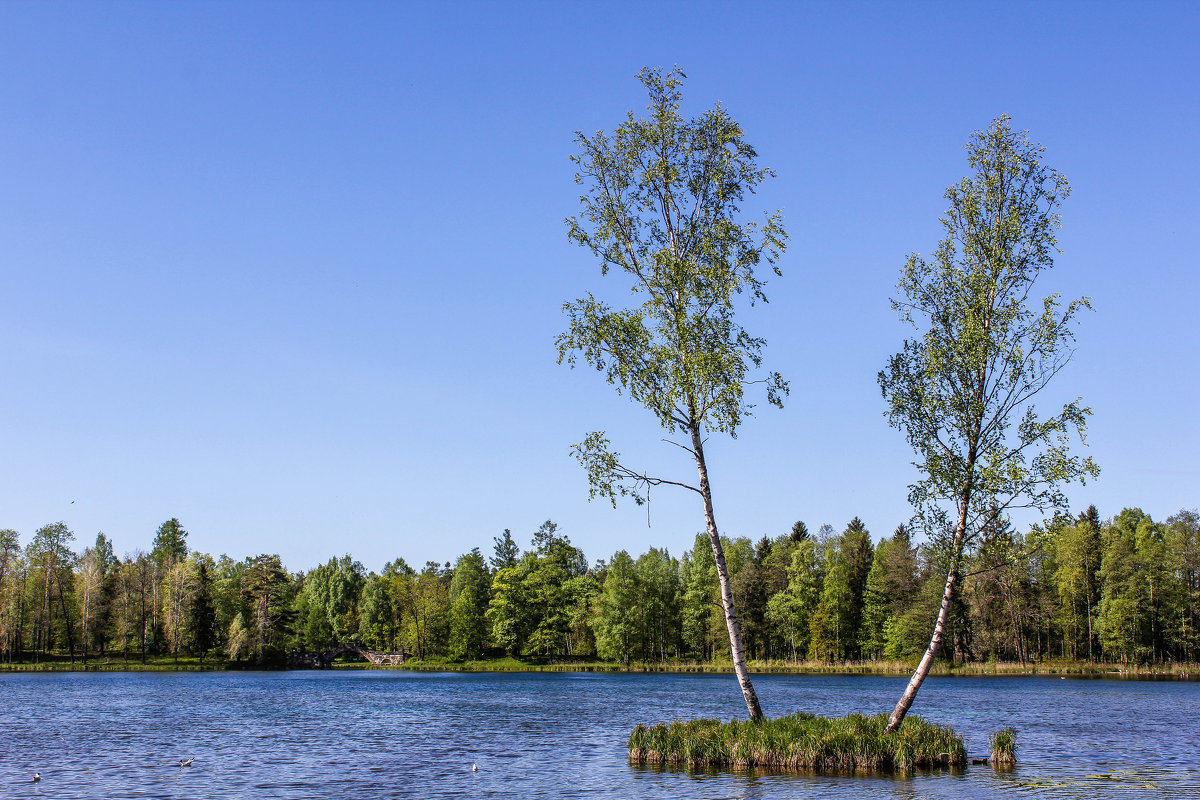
[
  {"x": 800, "y": 742},
  {"x": 1004, "y": 746}
]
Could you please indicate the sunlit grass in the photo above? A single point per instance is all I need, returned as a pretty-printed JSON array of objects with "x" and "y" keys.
[
  {"x": 1004, "y": 746},
  {"x": 800, "y": 742}
]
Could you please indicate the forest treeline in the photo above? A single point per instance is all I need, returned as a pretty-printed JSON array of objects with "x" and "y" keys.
[{"x": 1125, "y": 589}]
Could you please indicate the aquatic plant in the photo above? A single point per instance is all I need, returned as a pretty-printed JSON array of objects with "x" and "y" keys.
[
  {"x": 799, "y": 742},
  {"x": 1004, "y": 746}
]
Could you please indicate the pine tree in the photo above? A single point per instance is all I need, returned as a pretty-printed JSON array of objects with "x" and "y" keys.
[{"x": 202, "y": 615}]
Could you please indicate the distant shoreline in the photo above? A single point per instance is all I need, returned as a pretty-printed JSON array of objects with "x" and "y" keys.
[{"x": 1065, "y": 669}]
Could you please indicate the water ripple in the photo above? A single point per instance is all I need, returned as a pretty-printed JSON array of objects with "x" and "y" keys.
[{"x": 394, "y": 734}]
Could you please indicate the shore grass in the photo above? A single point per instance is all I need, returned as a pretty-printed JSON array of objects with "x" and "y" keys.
[
  {"x": 1055, "y": 668},
  {"x": 165, "y": 663},
  {"x": 117, "y": 663},
  {"x": 1004, "y": 747},
  {"x": 801, "y": 742}
]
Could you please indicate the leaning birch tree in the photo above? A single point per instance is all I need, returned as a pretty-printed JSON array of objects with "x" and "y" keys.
[
  {"x": 962, "y": 391},
  {"x": 661, "y": 209}
]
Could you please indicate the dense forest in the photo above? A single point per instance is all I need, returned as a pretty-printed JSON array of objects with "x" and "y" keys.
[{"x": 1125, "y": 589}]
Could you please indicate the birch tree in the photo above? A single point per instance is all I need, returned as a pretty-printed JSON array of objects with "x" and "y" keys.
[
  {"x": 661, "y": 208},
  {"x": 177, "y": 589},
  {"x": 962, "y": 390},
  {"x": 89, "y": 586}
]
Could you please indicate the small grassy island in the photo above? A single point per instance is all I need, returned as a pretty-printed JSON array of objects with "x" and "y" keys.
[
  {"x": 801, "y": 742},
  {"x": 1004, "y": 747}
]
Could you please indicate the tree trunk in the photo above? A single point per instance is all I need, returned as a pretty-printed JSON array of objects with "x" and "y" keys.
[
  {"x": 939, "y": 629},
  {"x": 731, "y": 623}
]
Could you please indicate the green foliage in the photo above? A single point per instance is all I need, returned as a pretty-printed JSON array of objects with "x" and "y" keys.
[
  {"x": 170, "y": 543},
  {"x": 800, "y": 742},
  {"x": 535, "y": 606},
  {"x": 379, "y": 615},
  {"x": 659, "y": 603},
  {"x": 661, "y": 205},
  {"x": 1123, "y": 621},
  {"x": 1078, "y": 550},
  {"x": 237, "y": 640},
  {"x": 582, "y": 593},
  {"x": 230, "y": 598},
  {"x": 906, "y": 632},
  {"x": 1148, "y": 579},
  {"x": 330, "y": 600},
  {"x": 999, "y": 592},
  {"x": 791, "y": 609},
  {"x": 269, "y": 592},
  {"x": 616, "y": 622},
  {"x": 838, "y": 618},
  {"x": 962, "y": 392},
  {"x": 470, "y": 593},
  {"x": 1004, "y": 746},
  {"x": 202, "y": 614},
  {"x": 1012, "y": 605},
  {"x": 751, "y": 595},
  {"x": 51, "y": 563},
  {"x": 700, "y": 599},
  {"x": 424, "y": 601},
  {"x": 506, "y": 551},
  {"x": 510, "y": 614},
  {"x": 1183, "y": 541},
  {"x": 875, "y": 605},
  {"x": 555, "y": 563}
]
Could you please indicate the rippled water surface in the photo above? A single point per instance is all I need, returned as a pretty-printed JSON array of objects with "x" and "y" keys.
[{"x": 396, "y": 734}]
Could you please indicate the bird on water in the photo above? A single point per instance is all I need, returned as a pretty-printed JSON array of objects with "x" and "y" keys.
[
  {"x": 186, "y": 762},
  {"x": 474, "y": 768},
  {"x": 37, "y": 776}
]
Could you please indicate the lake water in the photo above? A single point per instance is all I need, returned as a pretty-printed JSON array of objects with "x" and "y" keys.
[{"x": 389, "y": 734}]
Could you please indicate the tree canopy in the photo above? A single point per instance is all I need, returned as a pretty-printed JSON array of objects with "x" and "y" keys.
[
  {"x": 662, "y": 206},
  {"x": 962, "y": 390}
]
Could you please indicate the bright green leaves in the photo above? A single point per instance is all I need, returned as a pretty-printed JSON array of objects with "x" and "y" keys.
[
  {"x": 661, "y": 207},
  {"x": 962, "y": 390},
  {"x": 606, "y": 477}
]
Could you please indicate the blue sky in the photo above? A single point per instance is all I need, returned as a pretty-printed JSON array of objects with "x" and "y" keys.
[{"x": 293, "y": 272}]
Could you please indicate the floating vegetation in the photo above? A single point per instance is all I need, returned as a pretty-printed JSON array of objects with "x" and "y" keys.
[
  {"x": 1004, "y": 747},
  {"x": 801, "y": 742}
]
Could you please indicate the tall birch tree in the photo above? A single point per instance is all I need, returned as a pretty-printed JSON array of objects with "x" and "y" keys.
[
  {"x": 661, "y": 208},
  {"x": 962, "y": 391}
]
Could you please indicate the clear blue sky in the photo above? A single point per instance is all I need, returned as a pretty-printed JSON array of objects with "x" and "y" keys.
[{"x": 293, "y": 272}]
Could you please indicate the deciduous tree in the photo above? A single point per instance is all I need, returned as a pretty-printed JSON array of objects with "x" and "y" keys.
[
  {"x": 470, "y": 591},
  {"x": 662, "y": 207},
  {"x": 962, "y": 391},
  {"x": 617, "y": 612}
]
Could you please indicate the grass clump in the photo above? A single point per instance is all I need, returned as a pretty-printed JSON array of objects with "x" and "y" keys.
[
  {"x": 1004, "y": 746},
  {"x": 799, "y": 742}
]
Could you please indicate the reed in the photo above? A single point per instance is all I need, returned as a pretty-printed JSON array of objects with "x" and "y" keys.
[
  {"x": 1004, "y": 747},
  {"x": 801, "y": 742}
]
